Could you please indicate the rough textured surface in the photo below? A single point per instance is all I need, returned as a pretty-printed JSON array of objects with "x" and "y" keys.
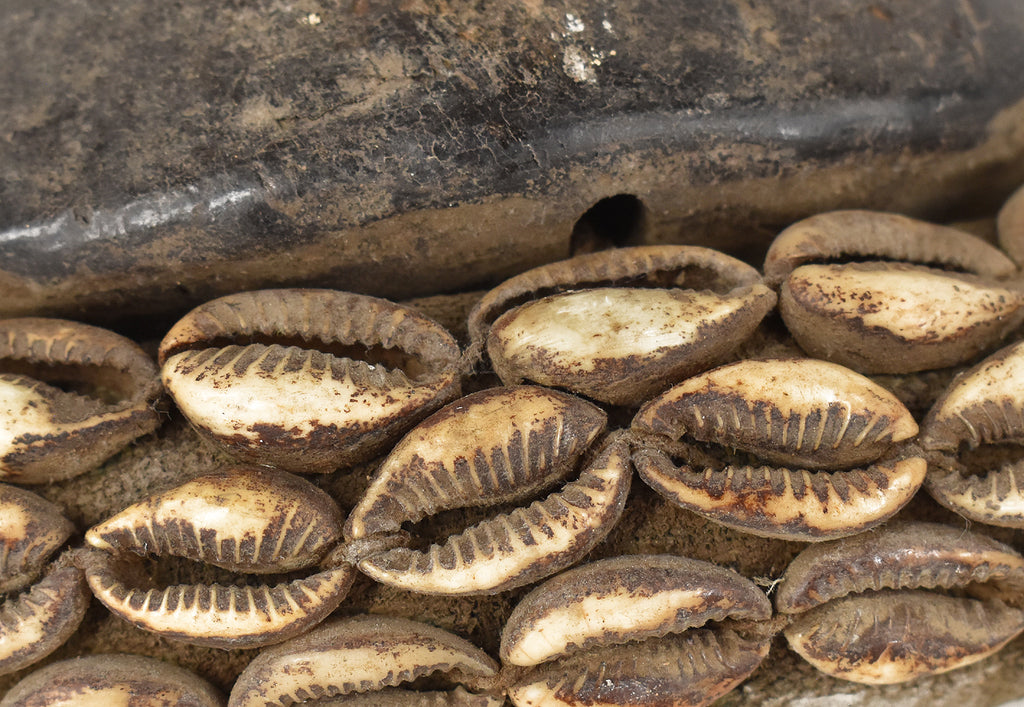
[{"x": 169, "y": 154}]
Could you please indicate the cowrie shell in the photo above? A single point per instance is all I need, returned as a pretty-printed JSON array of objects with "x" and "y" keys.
[
  {"x": 807, "y": 415},
  {"x": 497, "y": 446},
  {"x": 112, "y": 681},
  {"x": 909, "y": 313},
  {"x": 865, "y": 617},
  {"x": 982, "y": 406},
  {"x": 620, "y": 326},
  {"x": 627, "y": 631},
  {"x": 246, "y": 520},
  {"x": 360, "y": 654},
  {"x": 276, "y": 376},
  {"x": 71, "y": 396}
]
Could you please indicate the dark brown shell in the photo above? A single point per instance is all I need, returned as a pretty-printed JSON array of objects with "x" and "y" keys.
[
  {"x": 685, "y": 670},
  {"x": 900, "y": 556},
  {"x": 31, "y": 529},
  {"x": 39, "y": 621},
  {"x": 253, "y": 520},
  {"x": 356, "y": 654},
  {"x": 893, "y": 636},
  {"x": 148, "y": 682},
  {"x": 522, "y": 546},
  {"x": 216, "y": 615},
  {"x": 49, "y": 429},
  {"x": 622, "y": 599},
  {"x": 872, "y": 235},
  {"x": 300, "y": 354},
  {"x": 496, "y": 446}
]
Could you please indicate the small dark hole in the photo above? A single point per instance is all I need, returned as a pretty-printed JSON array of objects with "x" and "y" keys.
[{"x": 613, "y": 222}]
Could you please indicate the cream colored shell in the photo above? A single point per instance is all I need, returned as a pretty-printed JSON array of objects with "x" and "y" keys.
[
  {"x": 494, "y": 446},
  {"x": 622, "y": 345},
  {"x": 514, "y": 549},
  {"x": 357, "y": 654},
  {"x": 623, "y": 599},
  {"x": 253, "y": 520},
  {"x": 217, "y": 615}
]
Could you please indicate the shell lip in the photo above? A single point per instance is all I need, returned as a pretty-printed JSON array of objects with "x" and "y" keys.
[
  {"x": 778, "y": 502},
  {"x": 903, "y": 555},
  {"x": 870, "y": 235},
  {"x": 605, "y": 472},
  {"x": 275, "y": 609},
  {"x": 297, "y": 525},
  {"x": 392, "y": 335},
  {"x": 690, "y": 267}
]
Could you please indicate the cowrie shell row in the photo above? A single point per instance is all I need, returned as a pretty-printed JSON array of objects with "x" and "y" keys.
[
  {"x": 395, "y": 697},
  {"x": 40, "y": 620},
  {"x": 867, "y": 621},
  {"x": 112, "y": 681},
  {"x": 32, "y": 528},
  {"x": 984, "y": 405},
  {"x": 522, "y": 546},
  {"x": 300, "y": 408},
  {"x": 798, "y": 412},
  {"x": 253, "y": 520},
  {"x": 355, "y": 655},
  {"x": 619, "y": 326},
  {"x": 623, "y": 599},
  {"x": 216, "y": 615},
  {"x": 49, "y": 434}
]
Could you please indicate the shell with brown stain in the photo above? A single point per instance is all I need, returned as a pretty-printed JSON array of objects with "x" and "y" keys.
[
  {"x": 620, "y": 326},
  {"x": 71, "y": 396},
  {"x": 905, "y": 296},
  {"x": 835, "y": 434},
  {"x": 983, "y": 407},
  {"x": 112, "y": 681},
  {"x": 40, "y": 619},
  {"x": 251, "y": 520},
  {"x": 501, "y": 445},
  {"x": 307, "y": 380},
  {"x": 871, "y": 609},
  {"x": 365, "y": 654},
  {"x": 634, "y": 631}
]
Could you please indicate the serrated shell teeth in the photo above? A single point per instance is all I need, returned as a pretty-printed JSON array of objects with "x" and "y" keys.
[
  {"x": 356, "y": 655},
  {"x": 862, "y": 612},
  {"x": 618, "y": 630},
  {"x": 216, "y": 615},
  {"x": 253, "y": 520},
  {"x": 522, "y": 546},
  {"x": 291, "y": 392}
]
